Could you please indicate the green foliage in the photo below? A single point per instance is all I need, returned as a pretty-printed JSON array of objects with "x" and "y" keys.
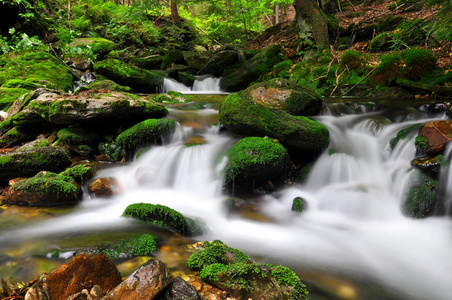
[
  {"x": 403, "y": 134},
  {"x": 287, "y": 277},
  {"x": 352, "y": 60},
  {"x": 442, "y": 27},
  {"x": 18, "y": 41}
]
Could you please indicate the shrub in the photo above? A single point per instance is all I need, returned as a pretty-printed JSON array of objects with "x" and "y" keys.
[{"x": 352, "y": 60}]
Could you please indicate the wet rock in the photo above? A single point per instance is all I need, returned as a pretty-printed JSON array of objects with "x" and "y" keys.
[
  {"x": 140, "y": 80},
  {"x": 44, "y": 189},
  {"x": 429, "y": 165},
  {"x": 286, "y": 95},
  {"x": 96, "y": 292},
  {"x": 104, "y": 187},
  {"x": 299, "y": 205},
  {"x": 27, "y": 162},
  {"x": 218, "y": 62},
  {"x": 149, "y": 63},
  {"x": 195, "y": 60},
  {"x": 420, "y": 201},
  {"x": 300, "y": 135},
  {"x": 252, "y": 69},
  {"x": 37, "y": 292},
  {"x": 255, "y": 165},
  {"x": 83, "y": 295},
  {"x": 180, "y": 290},
  {"x": 438, "y": 134},
  {"x": 145, "y": 283},
  {"x": 82, "y": 271}
]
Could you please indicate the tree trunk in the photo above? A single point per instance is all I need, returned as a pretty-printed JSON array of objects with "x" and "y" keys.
[
  {"x": 174, "y": 12},
  {"x": 312, "y": 22},
  {"x": 277, "y": 13}
]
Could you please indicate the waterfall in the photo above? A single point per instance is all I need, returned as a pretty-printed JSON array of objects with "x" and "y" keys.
[
  {"x": 353, "y": 224},
  {"x": 202, "y": 85}
]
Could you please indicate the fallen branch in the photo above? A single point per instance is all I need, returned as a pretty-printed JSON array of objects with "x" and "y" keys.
[
  {"x": 358, "y": 82},
  {"x": 337, "y": 81}
]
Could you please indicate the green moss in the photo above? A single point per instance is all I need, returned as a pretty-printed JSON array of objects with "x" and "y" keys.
[
  {"x": 287, "y": 277},
  {"x": 352, "y": 60},
  {"x": 421, "y": 142},
  {"x": 79, "y": 173},
  {"x": 77, "y": 135},
  {"x": 9, "y": 95},
  {"x": 106, "y": 84},
  {"x": 404, "y": 134},
  {"x": 113, "y": 151},
  {"x": 160, "y": 215},
  {"x": 47, "y": 183},
  {"x": 139, "y": 246},
  {"x": 98, "y": 46},
  {"x": 419, "y": 202},
  {"x": 147, "y": 132},
  {"x": 4, "y": 160},
  {"x": 298, "y": 205}
]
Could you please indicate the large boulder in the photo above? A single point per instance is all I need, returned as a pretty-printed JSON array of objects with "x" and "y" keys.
[
  {"x": 147, "y": 282},
  {"x": 255, "y": 165},
  {"x": 286, "y": 95},
  {"x": 152, "y": 62},
  {"x": 303, "y": 136},
  {"x": 98, "y": 46},
  {"x": 30, "y": 69},
  {"x": 27, "y": 162},
  {"x": 140, "y": 80},
  {"x": 82, "y": 271},
  {"x": 219, "y": 62},
  {"x": 437, "y": 134},
  {"x": 194, "y": 60},
  {"x": 44, "y": 189},
  {"x": 252, "y": 69}
]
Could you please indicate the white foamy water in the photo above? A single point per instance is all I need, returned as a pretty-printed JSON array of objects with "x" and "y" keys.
[
  {"x": 202, "y": 85},
  {"x": 354, "y": 223}
]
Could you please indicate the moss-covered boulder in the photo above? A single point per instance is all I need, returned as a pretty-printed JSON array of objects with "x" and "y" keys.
[
  {"x": 173, "y": 57},
  {"x": 140, "y": 246},
  {"x": 255, "y": 165},
  {"x": 29, "y": 161},
  {"x": 286, "y": 95},
  {"x": 231, "y": 270},
  {"x": 140, "y": 80},
  {"x": 78, "y": 136},
  {"x": 420, "y": 201},
  {"x": 219, "y": 62},
  {"x": 9, "y": 95},
  {"x": 95, "y": 108},
  {"x": 185, "y": 78},
  {"x": 149, "y": 63},
  {"x": 102, "y": 84},
  {"x": 98, "y": 46},
  {"x": 34, "y": 68},
  {"x": 145, "y": 133},
  {"x": 300, "y": 135},
  {"x": 163, "y": 216},
  {"x": 195, "y": 60},
  {"x": 44, "y": 189},
  {"x": 252, "y": 69},
  {"x": 15, "y": 136}
]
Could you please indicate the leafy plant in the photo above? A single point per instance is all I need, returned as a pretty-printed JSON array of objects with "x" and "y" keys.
[{"x": 18, "y": 41}]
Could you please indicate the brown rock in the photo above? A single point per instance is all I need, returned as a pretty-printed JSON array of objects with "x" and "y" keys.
[
  {"x": 146, "y": 283},
  {"x": 82, "y": 271},
  {"x": 104, "y": 187},
  {"x": 438, "y": 134},
  {"x": 180, "y": 290}
]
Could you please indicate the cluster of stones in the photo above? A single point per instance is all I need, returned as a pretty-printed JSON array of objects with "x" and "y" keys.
[{"x": 422, "y": 198}]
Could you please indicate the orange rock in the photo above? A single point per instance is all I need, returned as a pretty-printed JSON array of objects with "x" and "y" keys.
[
  {"x": 104, "y": 187},
  {"x": 81, "y": 272},
  {"x": 438, "y": 134}
]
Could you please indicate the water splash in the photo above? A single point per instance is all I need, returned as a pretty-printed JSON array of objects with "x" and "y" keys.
[{"x": 202, "y": 85}]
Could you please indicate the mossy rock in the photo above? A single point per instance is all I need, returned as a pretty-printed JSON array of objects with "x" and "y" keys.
[
  {"x": 286, "y": 95},
  {"x": 255, "y": 165},
  {"x": 148, "y": 63},
  {"x": 27, "y": 162},
  {"x": 163, "y": 216},
  {"x": 140, "y": 80},
  {"x": 44, "y": 189},
  {"x": 420, "y": 201},
  {"x": 78, "y": 136},
  {"x": 404, "y": 134},
  {"x": 105, "y": 85},
  {"x": 231, "y": 270},
  {"x": 15, "y": 136},
  {"x": 145, "y": 133},
  {"x": 186, "y": 78},
  {"x": 219, "y": 62},
  {"x": 80, "y": 173},
  {"x": 113, "y": 150},
  {"x": 99, "y": 46},
  {"x": 252, "y": 69},
  {"x": 9, "y": 95},
  {"x": 35, "y": 66},
  {"x": 143, "y": 245},
  {"x": 171, "y": 58},
  {"x": 300, "y": 135},
  {"x": 195, "y": 60}
]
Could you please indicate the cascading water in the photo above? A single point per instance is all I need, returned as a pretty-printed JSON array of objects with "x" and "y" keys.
[
  {"x": 353, "y": 225},
  {"x": 202, "y": 84}
]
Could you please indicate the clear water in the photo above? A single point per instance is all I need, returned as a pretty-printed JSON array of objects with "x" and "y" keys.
[{"x": 353, "y": 227}]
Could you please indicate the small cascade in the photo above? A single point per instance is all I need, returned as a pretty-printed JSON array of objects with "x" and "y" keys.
[
  {"x": 202, "y": 85},
  {"x": 446, "y": 182},
  {"x": 85, "y": 79}
]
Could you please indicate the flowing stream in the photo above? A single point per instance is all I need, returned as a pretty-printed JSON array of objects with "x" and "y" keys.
[{"x": 353, "y": 227}]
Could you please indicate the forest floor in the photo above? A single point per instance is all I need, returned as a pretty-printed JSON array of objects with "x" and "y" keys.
[{"x": 361, "y": 15}]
